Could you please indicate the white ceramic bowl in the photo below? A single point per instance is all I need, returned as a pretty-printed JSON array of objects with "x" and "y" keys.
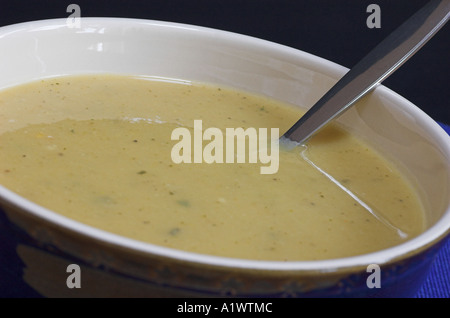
[{"x": 121, "y": 266}]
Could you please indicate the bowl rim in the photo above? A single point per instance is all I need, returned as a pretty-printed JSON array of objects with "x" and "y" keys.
[{"x": 432, "y": 235}]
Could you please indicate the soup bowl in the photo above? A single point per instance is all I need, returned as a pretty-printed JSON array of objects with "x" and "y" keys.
[{"x": 47, "y": 248}]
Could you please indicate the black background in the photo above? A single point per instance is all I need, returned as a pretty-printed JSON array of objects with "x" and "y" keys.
[{"x": 332, "y": 29}]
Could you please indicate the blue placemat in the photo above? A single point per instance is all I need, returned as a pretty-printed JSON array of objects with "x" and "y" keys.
[
  {"x": 437, "y": 284},
  {"x": 446, "y": 127}
]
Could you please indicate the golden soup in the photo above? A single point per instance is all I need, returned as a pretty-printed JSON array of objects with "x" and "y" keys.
[{"x": 97, "y": 149}]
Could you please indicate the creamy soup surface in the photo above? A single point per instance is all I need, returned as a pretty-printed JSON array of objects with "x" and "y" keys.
[{"x": 97, "y": 149}]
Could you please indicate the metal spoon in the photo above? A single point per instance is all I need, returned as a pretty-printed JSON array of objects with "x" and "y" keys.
[{"x": 381, "y": 62}]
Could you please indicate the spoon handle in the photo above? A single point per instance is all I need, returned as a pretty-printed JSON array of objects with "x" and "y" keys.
[{"x": 381, "y": 62}]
